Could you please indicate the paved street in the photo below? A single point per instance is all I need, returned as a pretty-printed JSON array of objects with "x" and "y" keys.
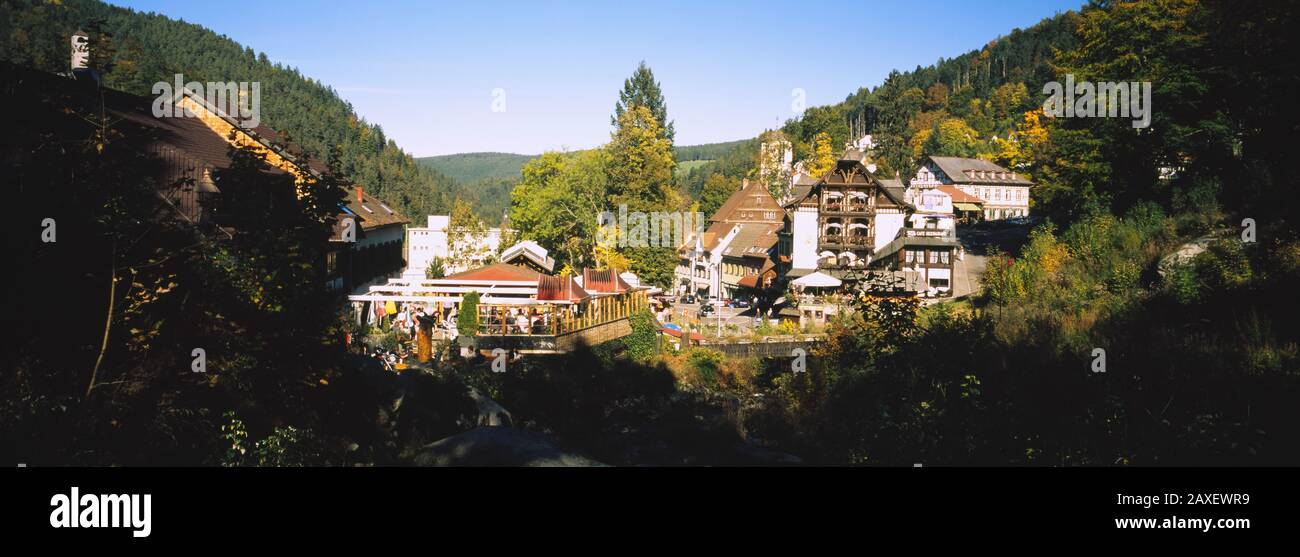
[
  {"x": 687, "y": 313},
  {"x": 977, "y": 241}
]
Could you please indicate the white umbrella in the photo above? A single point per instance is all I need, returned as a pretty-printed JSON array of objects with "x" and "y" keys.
[{"x": 817, "y": 280}]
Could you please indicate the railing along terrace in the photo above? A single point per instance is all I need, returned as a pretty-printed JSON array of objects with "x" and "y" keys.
[{"x": 555, "y": 319}]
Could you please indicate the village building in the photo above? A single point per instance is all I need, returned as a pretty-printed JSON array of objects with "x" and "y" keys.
[
  {"x": 192, "y": 150},
  {"x": 458, "y": 249},
  {"x": 1004, "y": 194},
  {"x": 852, "y": 225},
  {"x": 736, "y": 255}
]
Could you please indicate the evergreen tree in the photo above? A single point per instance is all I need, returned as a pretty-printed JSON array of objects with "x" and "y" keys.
[{"x": 642, "y": 90}]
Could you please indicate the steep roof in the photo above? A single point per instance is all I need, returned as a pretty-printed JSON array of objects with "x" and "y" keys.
[
  {"x": 191, "y": 147},
  {"x": 603, "y": 281},
  {"x": 748, "y": 204},
  {"x": 559, "y": 289},
  {"x": 977, "y": 171},
  {"x": 531, "y": 251}
]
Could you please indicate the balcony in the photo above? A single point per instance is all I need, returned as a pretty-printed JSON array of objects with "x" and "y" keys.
[
  {"x": 843, "y": 240},
  {"x": 849, "y": 207}
]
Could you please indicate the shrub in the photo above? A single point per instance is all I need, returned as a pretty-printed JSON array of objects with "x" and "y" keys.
[
  {"x": 467, "y": 319},
  {"x": 642, "y": 343},
  {"x": 705, "y": 363}
]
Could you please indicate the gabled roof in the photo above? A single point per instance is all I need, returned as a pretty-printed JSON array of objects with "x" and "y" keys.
[
  {"x": 603, "y": 281},
  {"x": 753, "y": 240},
  {"x": 531, "y": 251},
  {"x": 752, "y": 198},
  {"x": 191, "y": 147},
  {"x": 977, "y": 171},
  {"x": 370, "y": 212},
  {"x": 559, "y": 289},
  {"x": 497, "y": 271},
  {"x": 894, "y": 195},
  {"x": 959, "y": 196}
]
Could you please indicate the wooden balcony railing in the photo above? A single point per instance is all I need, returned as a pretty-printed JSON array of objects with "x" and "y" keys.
[{"x": 555, "y": 320}]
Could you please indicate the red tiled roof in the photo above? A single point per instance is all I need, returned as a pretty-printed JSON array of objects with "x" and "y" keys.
[
  {"x": 959, "y": 196},
  {"x": 678, "y": 334},
  {"x": 497, "y": 271}
]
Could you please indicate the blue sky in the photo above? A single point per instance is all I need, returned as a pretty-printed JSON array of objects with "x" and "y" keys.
[{"x": 426, "y": 71}]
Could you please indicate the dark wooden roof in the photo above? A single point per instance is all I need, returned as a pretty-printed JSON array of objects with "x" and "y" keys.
[
  {"x": 748, "y": 205},
  {"x": 977, "y": 171}
]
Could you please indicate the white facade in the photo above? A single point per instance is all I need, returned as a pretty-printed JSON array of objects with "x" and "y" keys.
[
  {"x": 699, "y": 270},
  {"x": 804, "y": 233},
  {"x": 434, "y": 240},
  {"x": 423, "y": 244},
  {"x": 477, "y": 251},
  {"x": 1005, "y": 193},
  {"x": 1001, "y": 201},
  {"x": 887, "y": 226},
  {"x": 933, "y": 209}
]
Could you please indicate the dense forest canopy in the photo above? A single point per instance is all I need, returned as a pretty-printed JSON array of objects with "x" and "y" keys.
[{"x": 136, "y": 50}]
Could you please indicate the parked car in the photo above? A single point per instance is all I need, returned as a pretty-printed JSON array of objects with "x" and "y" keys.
[
  {"x": 1019, "y": 221},
  {"x": 740, "y": 303},
  {"x": 706, "y": 310},
  {"x": 687, "y": 299}
]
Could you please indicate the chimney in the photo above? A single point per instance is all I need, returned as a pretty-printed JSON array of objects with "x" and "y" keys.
[{"x": 360, "y": 194}]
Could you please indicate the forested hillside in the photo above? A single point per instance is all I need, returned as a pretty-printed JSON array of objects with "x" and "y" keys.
[
  {"x": 134, "y": 50},
  {"x": 967, "y": 100},
  {"x": 1088, "y": 346},
  {"x": 486, "y": 179},
  {"x": 472, "y": 167}
]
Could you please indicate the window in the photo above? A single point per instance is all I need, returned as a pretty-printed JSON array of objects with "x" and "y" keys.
[
  {"x": 934, "y": 256},
  {"x": 943, "y": 257},
  {"x": 911, "y": 255}
]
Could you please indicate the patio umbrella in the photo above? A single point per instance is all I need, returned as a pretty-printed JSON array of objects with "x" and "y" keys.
[{"x": 818, "y": 280}]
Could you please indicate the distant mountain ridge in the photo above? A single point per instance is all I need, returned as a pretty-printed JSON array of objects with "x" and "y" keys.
[
  {"x": 466, "y": 168},
  {"x": 473, "y": 167}
]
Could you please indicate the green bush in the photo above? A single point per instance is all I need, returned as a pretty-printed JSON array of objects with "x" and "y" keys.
[
  {"x": 467, "y": 319},
  {"x": 284, "y": 446},
  {"x": 705, "y": 363},
  {"x": 642, "y": 343}
]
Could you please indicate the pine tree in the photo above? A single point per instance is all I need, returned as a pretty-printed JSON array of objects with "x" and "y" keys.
[{"x": 642, "y": 90}]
